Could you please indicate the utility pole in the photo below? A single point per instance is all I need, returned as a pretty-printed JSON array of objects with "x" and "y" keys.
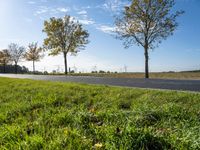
[
  {"x": 58, "y": 69},
  {"x": 75, "y": 69},
  {"x": 125, "y": 68},
  {"x": 44, "y": 69},
  {"x": 94, "y": 68}
]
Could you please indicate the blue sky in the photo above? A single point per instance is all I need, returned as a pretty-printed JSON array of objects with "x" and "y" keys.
[{"x": 22, "y": 23}]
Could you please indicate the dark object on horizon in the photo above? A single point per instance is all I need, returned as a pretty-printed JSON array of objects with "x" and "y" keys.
[
  {"x": 12, "y": 69},
  {"x": 46, "y": 73},
  {"x": 101, "y": 71},
  {"x": 5, "y": 59},
  {"x": 108, "y": 72},
  {"x": 191, "y": 71},
  {"x": 54, "y": 71},
  {"x": 72, "y": 71},
  {"x": 94, "y": 72}
]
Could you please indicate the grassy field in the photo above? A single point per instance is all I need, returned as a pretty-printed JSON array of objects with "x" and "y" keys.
[
  {"x": 53, "y": 115},
  {"x": 173, "y": 75}
]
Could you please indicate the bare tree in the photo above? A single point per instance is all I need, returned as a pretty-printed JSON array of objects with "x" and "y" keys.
[
  {"x": 64, "y": 35},
  {"x": 4, "y": 58},
  {"x": 34, "y": 54},
  {"x": 16, "y": 53},
  {"x": 146, "y": 23}
]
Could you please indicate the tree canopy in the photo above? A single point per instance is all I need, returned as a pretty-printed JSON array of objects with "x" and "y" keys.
[
  {"x": 4, "y": 57},
  {"x": 64, "y": 35},
  {"x": 33, "y": 52}
]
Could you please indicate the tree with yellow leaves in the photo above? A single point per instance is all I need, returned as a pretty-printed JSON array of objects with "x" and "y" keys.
[{"x": 34, "y": 54}]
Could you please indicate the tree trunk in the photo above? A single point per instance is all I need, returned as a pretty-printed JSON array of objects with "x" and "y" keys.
[
  {"x": 33, "y": 67},
  {"x": 15, "y": 68},
  {"x": 146, "y": 62},
  {"x": 65, "y": 61}
]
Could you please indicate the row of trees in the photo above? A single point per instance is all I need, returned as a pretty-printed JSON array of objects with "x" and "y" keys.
[
  {"x": 64, "y": 35},
  {"x": 14, "y": 53},
  {"x": 145, "y": 23}
]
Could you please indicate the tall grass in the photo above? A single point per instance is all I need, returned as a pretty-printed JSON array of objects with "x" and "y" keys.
[{"x": 53, "y": 115}]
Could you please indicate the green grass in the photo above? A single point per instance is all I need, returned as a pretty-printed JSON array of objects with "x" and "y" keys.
[{"x": 53, "y": 115}]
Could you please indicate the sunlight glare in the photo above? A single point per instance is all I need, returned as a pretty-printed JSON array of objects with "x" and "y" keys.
[{"x": 4, "y": 8}]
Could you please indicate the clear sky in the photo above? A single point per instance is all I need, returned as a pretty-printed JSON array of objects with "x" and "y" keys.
[{"x": 22, "y": 23}]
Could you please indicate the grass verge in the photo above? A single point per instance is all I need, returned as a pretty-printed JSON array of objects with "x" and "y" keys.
[{"x": 53, "y": 115}]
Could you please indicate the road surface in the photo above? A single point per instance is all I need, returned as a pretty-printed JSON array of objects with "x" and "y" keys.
[{"x": 182, "y": 85}]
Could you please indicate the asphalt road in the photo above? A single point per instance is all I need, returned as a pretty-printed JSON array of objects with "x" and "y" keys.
[{"x": 182, "y": 85}]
